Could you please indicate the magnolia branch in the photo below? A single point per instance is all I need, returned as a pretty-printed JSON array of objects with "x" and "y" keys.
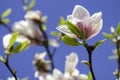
[{"x": 9, "y": 68}]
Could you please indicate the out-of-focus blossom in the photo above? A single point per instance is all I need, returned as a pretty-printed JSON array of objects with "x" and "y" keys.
[
  {"x": 118, "y": 79},
  {"x": 7, "y": 37},
  {"x": 116, "y": 73},
  {"x": 112, "y": 29},
  {"x": 48, "y": 77},
  {"x": 42, "y": 66},
  {"x": 53, "y": 43},
  {"x": 71, "y": 63},
  {"x": 115, "y": 55},
  {"x": 33, "y": 15},
  {"x": 71, "y": 72},
  {"x": 12, "y": 78},
  {"x": 57, "y": 74},
  {"x": 83, "y": 77},
  {"x": 90, "y": 26},
  {"x": 29, "y": 31}
]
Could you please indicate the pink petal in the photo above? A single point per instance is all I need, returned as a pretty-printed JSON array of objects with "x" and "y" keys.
[
  {"x": 96, "y": 30},
  {"x": 85, "y": 27},
  {"x": 96, "y": 24}
]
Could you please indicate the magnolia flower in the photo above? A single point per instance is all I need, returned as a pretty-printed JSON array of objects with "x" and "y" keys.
[
  {"x": 29, "y": 31},
  {"x": 90, "y": 26},
  {"x": 41, "y": 65},
  {"x": 33, "y": 15},
  {"x": 71, "y": 62},
  {"x": 71, "y": 73},
  {"x": 7, "y": 37}
]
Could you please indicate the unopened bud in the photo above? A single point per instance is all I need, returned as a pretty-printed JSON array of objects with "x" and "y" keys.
[{"x": 112, "y": 29}]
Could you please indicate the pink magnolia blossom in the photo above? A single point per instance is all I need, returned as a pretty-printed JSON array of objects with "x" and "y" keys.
[
  {"x": 90, "y": 26},
  {"x": 28, "y": 29}
]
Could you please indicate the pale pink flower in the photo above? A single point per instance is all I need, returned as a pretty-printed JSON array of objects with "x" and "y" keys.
[
  {"x": 90, "y": 26},
  {"x": 29, "y": 31}
]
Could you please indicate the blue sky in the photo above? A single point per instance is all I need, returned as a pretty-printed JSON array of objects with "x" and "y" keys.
[{"x": 103, "y": 67}]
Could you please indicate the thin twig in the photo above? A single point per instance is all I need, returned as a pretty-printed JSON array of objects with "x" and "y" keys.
[
  {"x": 118, "y": 53},
  {"x": 9, "y": 68},
  {"x": 46, "y": 45},
  {"x": 50, "y": 57},
  {"x": 5, "y": 25}
]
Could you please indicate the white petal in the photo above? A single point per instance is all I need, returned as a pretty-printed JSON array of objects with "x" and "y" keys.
[
  {"x": 96, "y": 17},
  {"x": 57, "y": 74},
  {"x": 50, "y": 77},
  {"x": 36, "y": 74},
  {"x": 41, "y": 78},
  {"x": 40, "y": 55},
  {"x": 67, "y": 76},
  {"x": 75, "y": 72},
  {"x": 64, "y": 29},
  {"x": 73, "y": 20},
  {"x": 26, "y": 28},
  {"x": 21, "y": 39},
  {"x": 33, "y": 15},
  {"x": 83, "y": 77},
  {"x": 112, "y": 29},
  {"x": 71, "y": 62},
  {"x": 11, "y": 78},
  {"x": 80, "y": 12},
  {"x": 6, "y": 40},
  {"x": 69, "y": 17},
  {"x": 53, "y": 43}
]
